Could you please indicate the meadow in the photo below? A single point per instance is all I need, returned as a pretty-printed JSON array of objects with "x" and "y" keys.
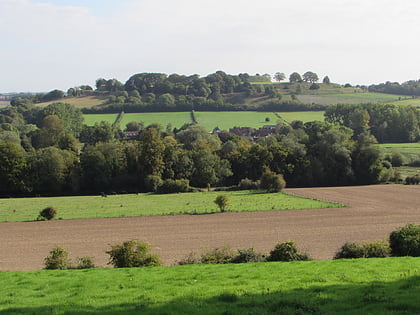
[
  {"x": 351, "y": 98},
  {"x": 348, "y": 286},
  {"x": 149, "y": 204},
  {"x": 210, "y": 120}
]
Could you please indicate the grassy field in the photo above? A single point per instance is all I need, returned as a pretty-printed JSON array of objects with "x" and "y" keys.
[
  {"x": 356, "y": 286},
  {"x": 210, "y": 120},
  {"x": 350, "y": 98},
  {"x": 148, "y": 204},
  {"x": 410, "y": 150}
]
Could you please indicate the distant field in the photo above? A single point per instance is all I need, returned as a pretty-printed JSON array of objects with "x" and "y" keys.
[
  {"x": 350, "y": 98},
  {"x": 210, "y": 120},
  {"x": 410, "y": 150},
  {"x": 79, "y": 102},
  {"x": 146, "y": 204},
  {"x": 346, "y": 286},
  {"x": 4, "y": 103}
]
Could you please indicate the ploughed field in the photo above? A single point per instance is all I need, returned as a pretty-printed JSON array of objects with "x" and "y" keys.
[{"x": 372, "y": 213}]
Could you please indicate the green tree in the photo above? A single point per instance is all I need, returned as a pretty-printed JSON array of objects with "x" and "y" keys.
[
  {"x": 222, "y": 201},
  {"x": 326, "y": 80},
  {"x": 272, "y": 182},
  {"x": 13, "y": 168},
  {"x": 295, "y": 77},
  {"x": 310, "y": 77},
  {"x": 279, "y": 76},
  {"x": 71, "y": 116}
]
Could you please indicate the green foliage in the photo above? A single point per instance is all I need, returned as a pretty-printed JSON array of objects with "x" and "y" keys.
[
  {"x": 218, "y": 255},
  {"x": 153, "y": 182},
  {"x": 58, "y": 259},
  {"x": 85, "y": 262},
  {"x": 378, "y": 249},
  {"x": 48, "y": 213},
  {"x": 170, "y": 186},
  {"x": 222, "y": 201},
  {"x": 350, "y": 250},
  {"x": 413, "y": 180},
  {"x": 248, "y": 184},
  {"x": 405, "y": 241},
  {"x": 272, "y": 182},
  {"x": 132, "y": 254},
  {"x": 247, "y": 255},
  {"x": 287, "y": 251},
  {"x": 190, "y": 259}
]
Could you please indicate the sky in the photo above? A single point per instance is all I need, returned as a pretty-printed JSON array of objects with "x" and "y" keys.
[{"x": 58, "y": 44}]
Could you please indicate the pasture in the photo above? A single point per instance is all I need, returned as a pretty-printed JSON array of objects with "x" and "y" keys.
[
  {"x": 148, "y": 204},
  {"x": 354, "y": 286},
  {"x": 210, "y": 120},
  {"x": 351, "y": 98}
]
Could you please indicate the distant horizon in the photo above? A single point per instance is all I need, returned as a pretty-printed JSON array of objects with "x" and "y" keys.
[{"x": 58, "y": 44}]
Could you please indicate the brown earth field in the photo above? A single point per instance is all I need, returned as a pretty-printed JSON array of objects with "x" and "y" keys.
[{"x": 372, "y": 213}]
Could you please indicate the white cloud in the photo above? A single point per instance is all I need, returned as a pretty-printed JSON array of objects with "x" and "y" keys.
[{"x": 47, "y": 46}]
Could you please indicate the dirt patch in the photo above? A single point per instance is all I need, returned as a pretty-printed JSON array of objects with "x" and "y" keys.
[{"x": 372, "y": 213}]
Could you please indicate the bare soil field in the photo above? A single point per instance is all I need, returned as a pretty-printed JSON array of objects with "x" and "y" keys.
[{"x": 372, "y": 213}]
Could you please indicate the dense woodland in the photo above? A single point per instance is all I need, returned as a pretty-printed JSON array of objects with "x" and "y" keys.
[{"x": 48, "y": 150}]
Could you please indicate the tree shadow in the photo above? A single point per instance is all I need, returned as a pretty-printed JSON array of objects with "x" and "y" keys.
[{"x": 398, "y": 297}]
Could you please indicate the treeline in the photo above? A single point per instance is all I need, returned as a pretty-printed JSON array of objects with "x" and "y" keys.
[
  {"x": 411, "y": 87},
  {"x": 387, "y": 123},
  {"x": 51, "y": 151}
]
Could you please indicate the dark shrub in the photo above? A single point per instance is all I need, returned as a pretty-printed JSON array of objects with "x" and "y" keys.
[
  {"x": 170, "y": 186},
  {"x": 406, "y": 241},
  {"x": 376, "y": 250},
  {"x": 58, "y": 259},
  {"x": 287, "y": 251},
  {"x": 132, "y": 254},
  {"x": 153, "y": 182},
  {"x": 222, "y": 201},
  {"x": 350, "y": 250},
  {"x": 218, "y": 255},
  {"x": 248, "y": 184},
  {"x": 47, "y": 214},
  {"x": 272, "y": 182},
  {"x": 412, "y": 180},
  {"x": 247, "y": 256},
  {"x": 190, "y": 259},
  {"x": 85, "y": 262}
]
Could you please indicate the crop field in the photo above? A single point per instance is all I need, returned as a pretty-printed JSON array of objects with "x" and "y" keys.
[
  {"x": 148, "y": 204},
  {"x": 210, "y": 120},
  {"x": 79, "y": 102},
  {"x": 351, "y": 98},
  {"x": 354, "y": 286}
]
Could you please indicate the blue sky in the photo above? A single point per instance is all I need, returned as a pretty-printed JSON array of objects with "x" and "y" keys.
[{"x": 47, "y": 44}]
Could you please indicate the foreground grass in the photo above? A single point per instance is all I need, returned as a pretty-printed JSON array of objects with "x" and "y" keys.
[
  {"x": 360, "y": 286},
  {"x": 147, "y": 204}
]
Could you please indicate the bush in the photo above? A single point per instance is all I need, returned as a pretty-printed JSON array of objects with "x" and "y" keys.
[
  {"x": 190, "y": 259},
  {"x": 153, "y": 182},
  {"x": 222, "y": 201},
  {"x": 287, "y": 251},
  {"x": 397, "y": 158},
  {"x": 132, "y": 254},
  {"x": 170, "y": 186},
  {"x": 369, "y": 250},
  {"x": 218, "y": 255},
  {"x": 405, "y": 241},
  {"x": 378, "y": 249},
  {"x": 350, "y": 250},
  {"x": 58, "y": 259},
  {"x": 48, "y": 213},
  {"x": 412, "y": 180},
  {"x": 272, "y": 182},
  {"x": 85, "y": 262},
  {"x": 247, "y": 256},
  {"x": 248, "y": 184}
]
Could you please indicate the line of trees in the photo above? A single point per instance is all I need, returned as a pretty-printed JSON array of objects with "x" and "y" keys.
[{"x": 51, "y": 151}]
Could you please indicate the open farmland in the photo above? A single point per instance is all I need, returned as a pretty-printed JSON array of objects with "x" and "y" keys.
[
  {"x": 373, "y": 212},
  {"x": 351, "y": 98},
  {"x": 210, "y": 120},
  {"x": 410, "y": 150},
  {"x": 149, "y": 204},
  {"x": 80, "y": 101},
  {"x": 352, "y": 286}
]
